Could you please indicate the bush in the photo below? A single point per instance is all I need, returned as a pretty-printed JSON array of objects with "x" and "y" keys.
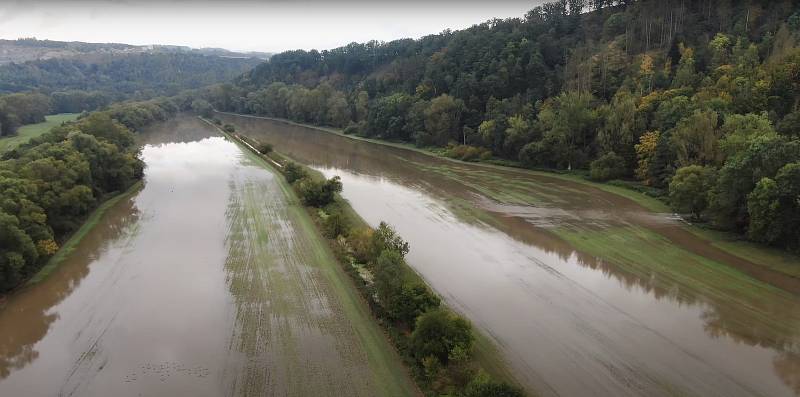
[
  {"x": 468, "y": 153},
  {"x": 440, "y": 334},
  {"x": 335, "y": 225},
  {"x": 385, "y": 238},
  {"x": 229, "y": 128},
  {"x": 483, "y": 386},
  {"x": 317, "y": 193},
  {"x": 608, "y": 166},
  {"x": 264, "y": 148},
  {"x": 360, "y": 240},
  {"x": 352, "y": 129},
  {"x": 293, "y": 172}
]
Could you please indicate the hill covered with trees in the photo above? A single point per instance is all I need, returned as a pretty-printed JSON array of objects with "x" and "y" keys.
[
  {"x": 696, "y": 101},
  {"x": 143, "y": 75}
]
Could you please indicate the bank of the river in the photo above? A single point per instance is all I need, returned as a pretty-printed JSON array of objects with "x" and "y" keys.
[
  {"x": 207, "y": 282},
  {"x": 30, "y": 131},
  {"x": 579, "y": 288},
  {"x": 392, "y": 377},
  {"x": 73, "y": 240},
  {"x": 754, "y": 260},
  {"x": 485, "y": 353}
]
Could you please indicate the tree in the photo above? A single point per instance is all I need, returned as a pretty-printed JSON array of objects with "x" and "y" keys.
[
  {"x": 318, "y": 193},
  {"x": 442, "y": 121},
  {"x": 720, "y": 50},
  {"x": 688, "y": 190},
  {"x": 568, "y": 122},
  {"x": 739, "y": 130},
  {"x": 338, "y": 110},
  {"x": 763, "y": 157},
  {"x": 618, "y": 133},
  {"x": 18, "y": 251},
  {"x": 387, "y": 117},
  {"x": 685, "y": 74},
  {"x": 696, "y": 139},
  {"x": 774, "y": 208},
  {"x": 293, "y": 172},
  {"x": 385, "y": 238},
  {"x": 516, "y": 134},
  {"x": 645, "y": 151},
  {"x": 388, "y": 278},
  {"x": 606, "y": 167},
  {"x": 203, "y": 108},
  {"x": 440, "y": 333}
]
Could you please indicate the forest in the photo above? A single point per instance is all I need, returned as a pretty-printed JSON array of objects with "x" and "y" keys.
[
  {"x": 51, "y": 184},
  {"x": 693, "y": 102},
  {"x": 124, "y": 76}
]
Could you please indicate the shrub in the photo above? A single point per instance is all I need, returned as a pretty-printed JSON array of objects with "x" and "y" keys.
[
  {"x": 483, "y": 386},
  {"x": 386, "y": 238},
  {"x": 335, "y": 225},
  {"x": 438, "y": 334},
  {"x": 318, "y": 193},
  {"x": 360, "y": 240},
  {"x": 293, "y": 172},
  {"x": 352, "y": 129},
  {"x": 468, "y": 153},
  {"x": 608, "y": 166},
  {"x": 264, "y": 148},
  {"x": 229, "y": 128}
]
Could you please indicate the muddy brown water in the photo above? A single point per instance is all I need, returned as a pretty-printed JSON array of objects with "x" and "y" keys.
[
  {"x": 198, "y": 285},
  {"x": 567, "y": 323}
]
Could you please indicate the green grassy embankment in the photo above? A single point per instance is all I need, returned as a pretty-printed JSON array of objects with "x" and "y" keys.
[{"x": 30, "y": 131}]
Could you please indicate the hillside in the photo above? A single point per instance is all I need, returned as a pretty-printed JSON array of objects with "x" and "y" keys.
[
  {"x": 31, "y": 49},
  {"x": 693, "y": 101},
  {"x": 119, "y": 76}
]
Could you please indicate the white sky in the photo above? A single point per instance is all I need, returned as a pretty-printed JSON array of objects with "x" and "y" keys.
[{"x": 271, "y": 26}]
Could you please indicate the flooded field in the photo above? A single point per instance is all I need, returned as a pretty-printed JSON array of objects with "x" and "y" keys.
[
  {"x": 585, "y": 292},
  {"x": 207, "y": 282}
]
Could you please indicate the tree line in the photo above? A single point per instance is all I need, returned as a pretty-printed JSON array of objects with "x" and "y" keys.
[
  {"x": 435, "y": 342},
  {"x": 49, "y": 185},
  {"x": 695, "y": 102}
]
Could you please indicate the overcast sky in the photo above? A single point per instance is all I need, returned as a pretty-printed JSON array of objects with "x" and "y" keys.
[{"x": 271, "y": 26}]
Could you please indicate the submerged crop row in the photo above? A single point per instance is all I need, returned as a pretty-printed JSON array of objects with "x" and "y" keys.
[{"x": 435, "y": 342}]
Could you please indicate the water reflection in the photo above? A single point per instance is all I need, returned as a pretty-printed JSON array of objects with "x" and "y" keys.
[
  {"x": 26, "y": 316},
  {"x": 569, "y": 323},
  {"x": 139, "y": 307}
]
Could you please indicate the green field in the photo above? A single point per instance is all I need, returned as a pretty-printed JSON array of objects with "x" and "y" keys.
[
  {"x": 282, "y": 268},
  {"x": 28, "y": 132}
]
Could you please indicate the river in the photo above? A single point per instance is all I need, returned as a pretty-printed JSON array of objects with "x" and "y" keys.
[
  {"x": 204, "y": 283},
  {"x": 674, "y": 315}
]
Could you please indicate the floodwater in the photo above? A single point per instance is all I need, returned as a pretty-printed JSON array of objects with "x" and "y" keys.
[
  {"x": 568, "y": 323},
  {"x": 197, "y": 285}
]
